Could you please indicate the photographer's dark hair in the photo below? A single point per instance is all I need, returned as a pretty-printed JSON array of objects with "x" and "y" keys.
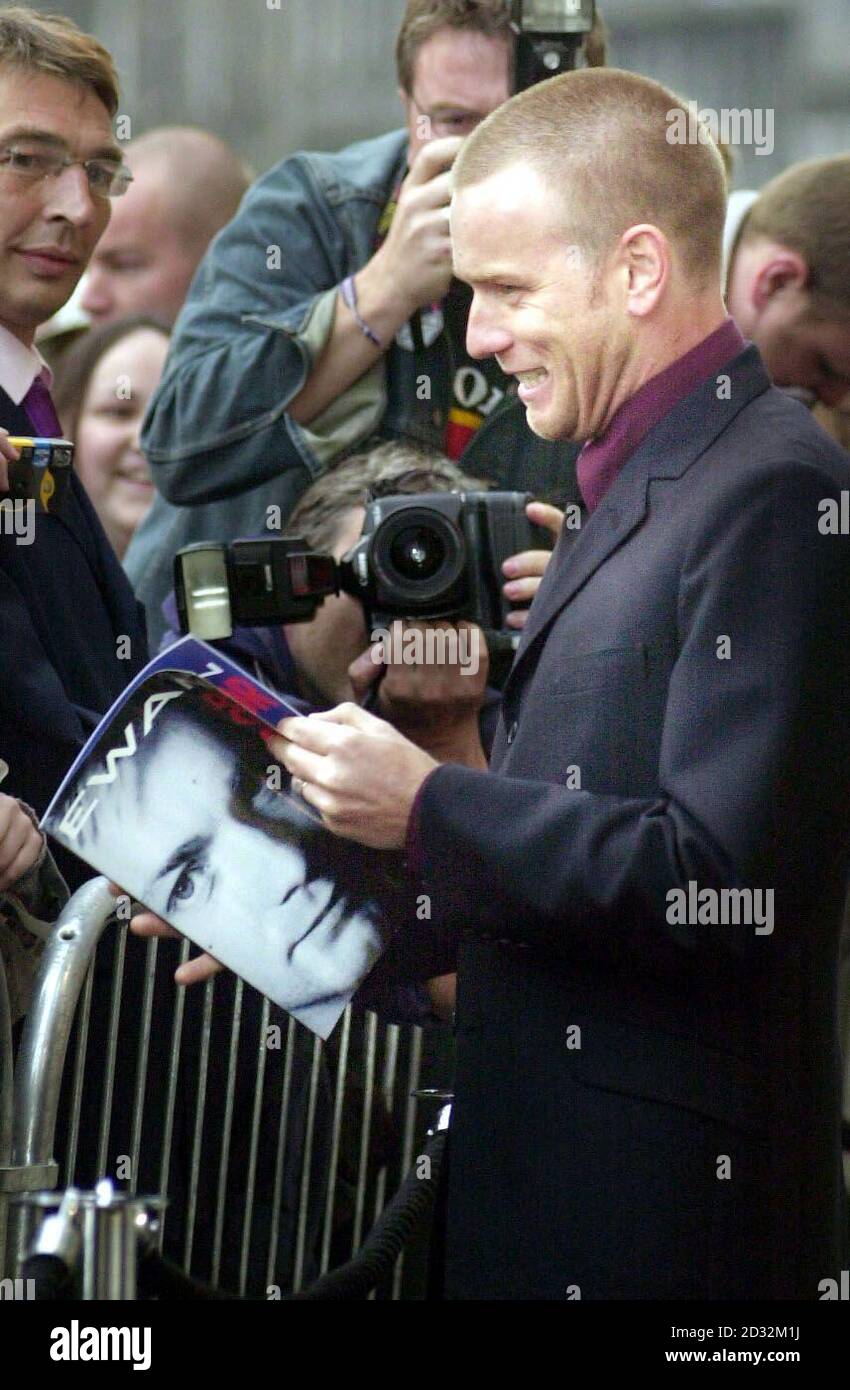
[{"x": 389, "y": 469}]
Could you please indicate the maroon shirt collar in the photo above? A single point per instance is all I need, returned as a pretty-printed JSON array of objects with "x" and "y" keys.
[{"x": 601, "y": 460}]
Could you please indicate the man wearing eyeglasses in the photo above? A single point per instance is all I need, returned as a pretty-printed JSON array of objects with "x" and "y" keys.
[
  {"x": 326, "y": 314},
  {"x": 65, "y": 605}
]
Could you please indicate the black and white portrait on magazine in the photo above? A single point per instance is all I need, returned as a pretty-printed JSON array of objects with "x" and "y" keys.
[{"x": 183, "y": 805}]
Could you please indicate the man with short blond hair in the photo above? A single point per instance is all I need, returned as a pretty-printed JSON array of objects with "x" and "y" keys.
[
  {"x": 647, "y": 1087},
  {"x": 326, "y": 315}
]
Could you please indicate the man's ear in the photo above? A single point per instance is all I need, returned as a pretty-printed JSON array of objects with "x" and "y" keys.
[
  {"x": 645, "y": 261},
  {"x": 782, "y": 270}
]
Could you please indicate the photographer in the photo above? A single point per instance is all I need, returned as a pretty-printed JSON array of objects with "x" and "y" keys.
[
  {"x": 445, "y": 710},
  {"x": 273, "y": 375},
  {"x": 330, "y": 658}
]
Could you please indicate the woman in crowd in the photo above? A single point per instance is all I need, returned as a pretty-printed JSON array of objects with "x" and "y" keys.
[{"x": 101, "y": 391}]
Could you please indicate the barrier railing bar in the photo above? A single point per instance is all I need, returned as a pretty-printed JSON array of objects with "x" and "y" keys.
[
  {"x": 111, "y": 1052},
  {"x": 142, "y": 1068},
  {"x": 171, "y": 1094},
  {"x": 83, "y": 1020},
  {"x": 366, "y": 1129},
  {"x": 410, "y": 1115},
  {"x": 388, "y": 1093},
  {"x": 197, "y": 1138},
  {"x": 7, "y": 1106},
  {"x": 336, "y": 1131},
  {"x": 286, "y": 1086},
  {"x": 262, "y": 1054},
  {"x": 227, "y": 1130},
  {"x": 304, "y": 1196}
]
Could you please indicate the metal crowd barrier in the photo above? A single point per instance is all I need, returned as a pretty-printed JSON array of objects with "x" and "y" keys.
[
  {"x": 31, "y": 1094},
  {"x": 277, "y": 1153},
  {"x": 6, "y": 1108}
]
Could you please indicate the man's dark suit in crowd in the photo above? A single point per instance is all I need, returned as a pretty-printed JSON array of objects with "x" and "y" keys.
[
  {"x": 648, "y": 882},
  {"x": 64, "y": 605},
  {"x": 64, "y": 601},
  {"x": 646, "y": 1109}
]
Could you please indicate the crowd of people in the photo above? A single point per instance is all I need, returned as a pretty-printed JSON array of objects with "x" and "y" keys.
[{"x": 535, "y": 292}]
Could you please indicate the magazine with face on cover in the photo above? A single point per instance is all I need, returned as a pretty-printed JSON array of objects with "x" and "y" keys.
[{"x": 177, "y": 798}]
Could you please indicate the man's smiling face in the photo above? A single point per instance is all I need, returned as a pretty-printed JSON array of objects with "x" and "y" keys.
[
  {"x": 48, "y": 229},
  {"x": 539, "y": 306}
]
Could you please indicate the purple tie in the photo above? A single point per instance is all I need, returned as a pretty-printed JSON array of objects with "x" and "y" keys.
[{"x": 38, "y": 405}]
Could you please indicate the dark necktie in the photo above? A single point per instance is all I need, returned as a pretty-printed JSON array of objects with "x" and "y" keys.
[{"x": 38, "y": 405}]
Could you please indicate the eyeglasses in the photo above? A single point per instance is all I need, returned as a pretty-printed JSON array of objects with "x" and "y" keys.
[{"x": 107, "y": 178}]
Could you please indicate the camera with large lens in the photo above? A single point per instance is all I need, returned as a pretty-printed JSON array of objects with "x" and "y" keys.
[
  {"x": 420, "y": 556},
  {"x": 438, "y": 555}
]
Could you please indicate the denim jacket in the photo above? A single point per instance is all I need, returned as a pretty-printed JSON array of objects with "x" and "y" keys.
[{"x": 218, "y": 433}]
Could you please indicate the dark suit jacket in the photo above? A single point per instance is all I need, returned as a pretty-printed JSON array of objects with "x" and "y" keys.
[
  {"x": 647, "y": 1110},
  {"x": 64, "y": 603}
]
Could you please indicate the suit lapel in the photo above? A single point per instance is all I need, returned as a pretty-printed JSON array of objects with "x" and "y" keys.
[
  {"x": 13, "y": 417},
  {"x": 667, "y": 452}
]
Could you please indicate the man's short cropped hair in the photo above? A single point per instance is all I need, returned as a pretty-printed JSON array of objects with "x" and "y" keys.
[
  {"x": 492, "y": 18},
  {"x": 604, "y": 138},
  {"x": 386, "y": 469},
  {"x": 807, "y": 209},
  {"x": 52, "y": 44}
]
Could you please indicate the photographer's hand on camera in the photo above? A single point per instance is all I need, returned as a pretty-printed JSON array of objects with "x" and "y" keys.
[
  {"x": 8, "y": 454},
  {"x": 415, "y": 262},
  {"x": 435, "y": 704},
  {"x": 524, "y": 571},
  {"x": 412, "y": 268}
]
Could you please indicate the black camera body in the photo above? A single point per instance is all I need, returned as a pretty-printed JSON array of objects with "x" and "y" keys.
[
  {"x": 42, "y": 472},
  {"x": 420, "y": 556},
  {"x": 438, "y": 555},
  {"x": 549, "y": 34}
]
